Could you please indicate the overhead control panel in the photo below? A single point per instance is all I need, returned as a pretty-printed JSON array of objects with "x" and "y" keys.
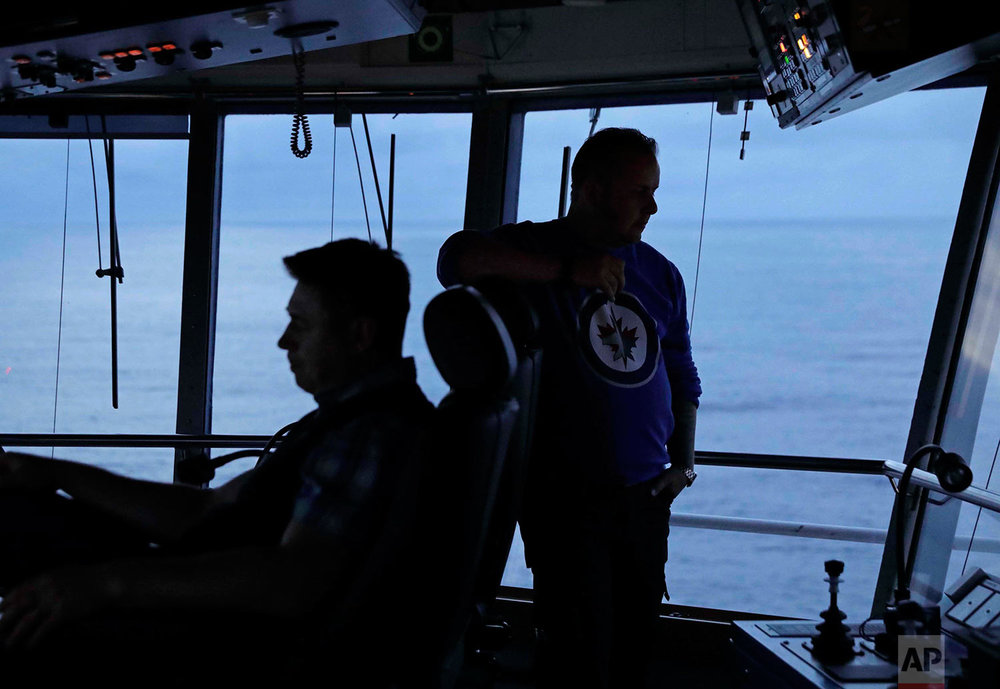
[
  {"x": 60, "y": 46},
  {"x": 822, "y": 58}
]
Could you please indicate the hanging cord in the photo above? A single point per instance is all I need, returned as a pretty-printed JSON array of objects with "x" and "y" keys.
[
  {"x": 93, "y": 176},
  {"x": 361, "y": 181},
  {"x": 745, "y": 134},
  {"x": 115, "y": 270},
  {"x": 392, "y": 187},
  {"x": 378, "y": 190},
  {"x": 62, "y": 292},
  {"x": 333, "y": 181},
  {"x": 701, "y": 232},
  {"x": 595, "y": 115},
  {"x": 115, "y": 259},
  {"x": 979, "y": 514},
  {"x": 300, "y": 121}
]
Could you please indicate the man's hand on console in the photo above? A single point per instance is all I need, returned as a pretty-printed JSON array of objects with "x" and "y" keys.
[{"x": 34, "y": 609}]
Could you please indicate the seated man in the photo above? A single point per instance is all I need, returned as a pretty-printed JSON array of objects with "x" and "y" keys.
[{"x": 276, "y": 548}]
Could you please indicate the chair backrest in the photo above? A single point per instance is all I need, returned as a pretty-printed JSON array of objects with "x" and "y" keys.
[
  {"x": 471, "y": 347},
  {"x": 523, "y": 325}
]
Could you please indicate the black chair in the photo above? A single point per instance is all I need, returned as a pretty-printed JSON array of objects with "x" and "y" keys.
[
  {"x": 488, "y": 631},
  {"x": 472, "y": 349}
]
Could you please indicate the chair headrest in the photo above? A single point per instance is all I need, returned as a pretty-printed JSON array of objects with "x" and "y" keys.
[{"x": 468, "y": 341}]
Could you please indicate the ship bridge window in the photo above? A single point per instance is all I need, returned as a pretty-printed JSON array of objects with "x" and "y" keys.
[
  {"x": 56, "y": 318},
  {"x": 274, "y": 204},
  {"x": 821, "y": 256},
  {"x": 970, "y": 533},
  {"x": 976, "y": 541}
]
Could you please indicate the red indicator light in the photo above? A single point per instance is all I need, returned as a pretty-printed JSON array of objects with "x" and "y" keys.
[
  {"x": 154, "y": 48},
  {"x": 103, "y": 75},
  {"x": 169, "y": 46},
  {"x": 107, "y": 56},
  {"x": 21, "y": 60},
  {"x": 135, "y": 52},
  {"x": 121, "y": 53},
  {"x": 781, "y": 44}
]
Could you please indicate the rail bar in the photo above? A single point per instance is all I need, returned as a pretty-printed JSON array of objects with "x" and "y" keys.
[
  {"x": 791, "y": 462},
  {"x": 771, "y": 527},
  {"x": 925, "y": 479},
  {"x": 123, "y": 440},
  {"x": 729, "y": 459}
]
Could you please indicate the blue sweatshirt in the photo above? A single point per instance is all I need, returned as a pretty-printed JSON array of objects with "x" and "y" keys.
[{"x": 609, "y": 370}]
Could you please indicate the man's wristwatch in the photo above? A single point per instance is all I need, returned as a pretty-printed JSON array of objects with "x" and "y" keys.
[{"x": 690, "y": 475}]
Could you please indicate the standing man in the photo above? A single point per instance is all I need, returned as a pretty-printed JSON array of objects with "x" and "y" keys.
[
  {"x": 281, "y": 553},
  {"x": 614, "y": 439}
]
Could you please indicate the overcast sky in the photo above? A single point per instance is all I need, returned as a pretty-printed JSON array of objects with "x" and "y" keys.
[{"x": 902, "y": 157}]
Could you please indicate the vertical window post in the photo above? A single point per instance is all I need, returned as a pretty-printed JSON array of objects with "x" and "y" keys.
[
  {"x": 201, "y": 276},
  {"x": 494, "y": 164}
]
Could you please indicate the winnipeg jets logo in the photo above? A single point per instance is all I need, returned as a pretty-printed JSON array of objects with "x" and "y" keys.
[{"x": 618, "y": 339}]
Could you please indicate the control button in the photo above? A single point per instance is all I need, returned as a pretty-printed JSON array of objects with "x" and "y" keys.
[
  {"x": 164, "y": 57},
  {"x": 966, "y": 607},
  {"x": 986, "y": 613},
  {"x": 777, "y": 97},
  {"x": 202, "y": 50}
]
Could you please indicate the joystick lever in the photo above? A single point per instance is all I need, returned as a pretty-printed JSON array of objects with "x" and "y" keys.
[{"x": 833, "y": 645}]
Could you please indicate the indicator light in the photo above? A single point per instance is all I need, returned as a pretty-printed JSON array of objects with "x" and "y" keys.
[
  {"x": 154, "y": 48},
  {"x": 103, "y": 75},
  {"x": 169, "y": 46},
  {"x": 804, "y": 39},
  {"x": 107, "y": 55},
  {"x": 797, "y": 16},
  {"x": 135, "y": 52},
  {"x": 21, "y": 60},
  {"x": 807, "y": 52},
  {"x": 781, "y": 44},
  {"x": 121, "y": 53}
]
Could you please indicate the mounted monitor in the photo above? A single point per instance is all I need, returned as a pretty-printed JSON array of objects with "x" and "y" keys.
[{"x": 822, "y": 58}]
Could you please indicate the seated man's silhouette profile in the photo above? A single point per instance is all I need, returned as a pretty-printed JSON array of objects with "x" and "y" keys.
[{"x": 128, "y": 570}]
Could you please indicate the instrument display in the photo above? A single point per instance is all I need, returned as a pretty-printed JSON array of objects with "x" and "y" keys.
[{"x": 821, "y": 58}]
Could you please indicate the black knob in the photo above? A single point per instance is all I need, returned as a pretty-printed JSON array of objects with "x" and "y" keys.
[
  {"x": 202, "y": 50},
  {"x": 834, "y": 567},
  {"x": 777, "y": 97},
  {"x": 166, "y": 57}
]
